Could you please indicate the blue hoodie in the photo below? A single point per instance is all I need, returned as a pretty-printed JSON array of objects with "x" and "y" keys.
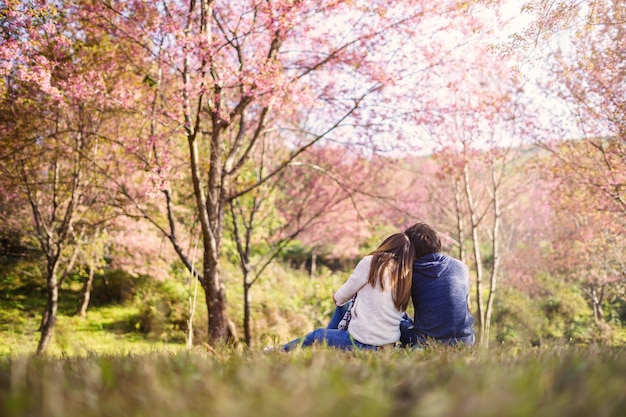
[{"x": 440, "y": 293}]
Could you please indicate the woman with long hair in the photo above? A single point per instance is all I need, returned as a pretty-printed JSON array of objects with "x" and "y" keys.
[{"x": 381, "y": 282}]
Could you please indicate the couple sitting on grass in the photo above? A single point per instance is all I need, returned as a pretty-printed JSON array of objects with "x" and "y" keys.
[{"x": 371, "y": 305}]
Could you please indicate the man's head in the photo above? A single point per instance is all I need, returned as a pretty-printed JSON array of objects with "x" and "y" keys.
[{"x": 424, "y": 238}]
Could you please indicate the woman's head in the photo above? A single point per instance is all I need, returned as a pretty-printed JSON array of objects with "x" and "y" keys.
[{"x": 394, "y": 258}]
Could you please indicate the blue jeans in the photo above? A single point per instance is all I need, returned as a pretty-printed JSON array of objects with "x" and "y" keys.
[
  {"x": 409, "y": 337},
  {"x": 330, "y": 337},
  {"x": 340, "y": 311}
]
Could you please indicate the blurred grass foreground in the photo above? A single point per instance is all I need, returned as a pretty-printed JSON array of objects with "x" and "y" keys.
[{"x": 563, "y": 381}]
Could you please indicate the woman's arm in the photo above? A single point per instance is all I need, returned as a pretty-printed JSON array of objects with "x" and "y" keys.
[{"x": 355, "y": 282}]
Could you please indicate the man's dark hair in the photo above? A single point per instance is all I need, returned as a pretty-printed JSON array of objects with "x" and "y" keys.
[{"x": 424, "y": 238}]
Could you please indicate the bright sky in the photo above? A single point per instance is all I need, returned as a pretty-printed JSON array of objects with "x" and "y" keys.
[{"x": 421, "y": 137}]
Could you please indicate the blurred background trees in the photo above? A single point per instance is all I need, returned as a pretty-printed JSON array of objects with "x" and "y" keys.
[{"x": 149, "y": 147}]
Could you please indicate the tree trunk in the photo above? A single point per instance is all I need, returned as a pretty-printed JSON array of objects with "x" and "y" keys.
[
  {"x": 192, "y": 311},
  {"x": 460, "y": 224},
  {"x": 479, "y": 282},
  {"x": 218, "y": 327},
  {"x": 247, "y": 319},
  {"x": 598, "y": 313},
  {"x": 312, "y": 271},
  {"x": 495, "y": 242},
  {"x": 210, "y": 212},
  {"x": 85, "y": 295},
  {"x": 477, "y": 255},
  {"x": 460, "y": 229},
  {"x": 50, "y": 313}
]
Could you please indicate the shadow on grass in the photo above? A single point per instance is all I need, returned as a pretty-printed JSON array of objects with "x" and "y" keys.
[{"x": 23, "y": 299}]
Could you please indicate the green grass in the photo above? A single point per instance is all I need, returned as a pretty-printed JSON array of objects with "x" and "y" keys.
[
  {"x": 102, "y": 365},
  {"x": 230, "y": 382},
  {"x": 285, "y": 305},
  {"x": 106, "y": 330}
]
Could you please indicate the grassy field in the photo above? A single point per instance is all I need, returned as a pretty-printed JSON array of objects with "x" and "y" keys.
[
  {"x": 102, "y": 365},
  {"x": 286, "y": 305},
  {"x": 589, "y": 381}
]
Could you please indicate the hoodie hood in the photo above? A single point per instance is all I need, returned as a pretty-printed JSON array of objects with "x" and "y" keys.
[{"x": 432, "y": 265}]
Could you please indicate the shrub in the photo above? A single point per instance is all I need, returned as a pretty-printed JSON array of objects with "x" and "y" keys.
[
  {"x": 558, "y": 312},
  {"x": 115, "y": 286},
  {"x": 515, "y": 320},
  {"x": 163, "y": 309}
]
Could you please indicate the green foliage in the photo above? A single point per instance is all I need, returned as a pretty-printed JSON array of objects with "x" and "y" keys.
[
  {"x": 615, "y": 311},
  {"x": 567, "y": 312},
  {"x": 22, "y": 295},
  {"x": 317, "y": 382},
  {"x": 286, "y": 303},
  {"x": 163, "y": 309},
  {"x": 106, "y": 330},
  {"x": 123, "y": 308},
  {"x": 298, "y": 256},
  {"x": 115, "y": 287},
  {"x": 515, "y": 319},
  {"x": 558, "y": 313},
  {"x": 20, "y": 274},
  {"x": 131, "y": 312},
  {"x": 380, "y": 232}
]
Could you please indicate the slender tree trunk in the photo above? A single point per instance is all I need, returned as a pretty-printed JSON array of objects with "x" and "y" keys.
[
  {"x": 479, "y": 282},
  {"x": 460, "y": 227},
  {"x": 85, "y": 295},
  {"x": 477, "y": 254},
  {"x": 93, "y": 255},
  {"x": 247, "y": 302},
  {"x": 212, "y": 234},
  {"x": 596, "y": 300},
  {"x": 460, "y": 224},
  {"x": 107, "y": 290},
  {"x": 50, "y": 314},
  {"x": 210, "y": 212},
  {"x": 192, "y": 299},
  {"x": 313, "y": 269},
  {"x": 495, "y": 271},
  {"x": 192, "y": 311}
]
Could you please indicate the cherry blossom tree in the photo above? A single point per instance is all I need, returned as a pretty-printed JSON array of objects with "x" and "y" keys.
[
  {"x": 593, "y": 84},
  {"x": 355, "y": 198},
  {"x": 482, "y": 135},
  {"x": 588, "y": 241},
  {"x": 583, "y": 44},
  {"x": 229, "y": 76},
  {"x": 578, "y": 49},
  {"x": 574, "y": 54},
  {"x": 59, "y": 89},
  {"x": 305, "y": 197},
  {"x": 477, "y": 185}
]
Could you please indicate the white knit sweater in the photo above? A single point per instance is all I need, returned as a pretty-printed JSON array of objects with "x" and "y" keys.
[{"x": 375, "y": 320}]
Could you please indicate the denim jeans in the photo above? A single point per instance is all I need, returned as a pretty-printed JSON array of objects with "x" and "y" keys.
[
  {"x": 409, "y": 337},
  {"x": 340, "y": 311},
  {"x": 340, "y": 339}
]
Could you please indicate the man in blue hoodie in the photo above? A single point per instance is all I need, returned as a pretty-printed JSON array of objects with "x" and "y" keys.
[{"x": 440, "y": 294}]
